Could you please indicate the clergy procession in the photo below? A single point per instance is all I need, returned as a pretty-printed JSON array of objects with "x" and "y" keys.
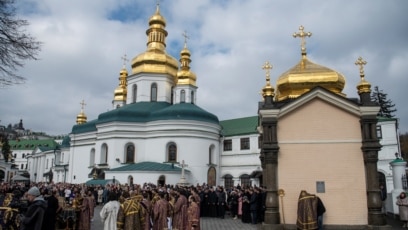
[{"x": 138, "y": 207}]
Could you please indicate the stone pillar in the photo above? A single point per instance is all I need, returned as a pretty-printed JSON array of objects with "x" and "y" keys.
[
  {"x": 370, "y": 148},
  {"x": 398, "y": 170},
  {"x": 269, "y": 157}
]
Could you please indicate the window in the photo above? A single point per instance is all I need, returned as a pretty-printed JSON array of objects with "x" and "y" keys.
[
  {"x": 227, "y": 145},
  {"x": 104, "y": 154},
  {"x": 228, "y": 182},
  {"x": 245, "y": 181},
  {"x": 23, "y": 155},
  {"x": 22, "y": 166},
  {"x": 153, "y": 92},
  {"x": 92, "y": 157},
  {"x": 182, "y": 96},
  {"x": 172, "y": 153},
  {"x": 46, "y": 165},
  {"x": 130, "y": 154},
  {"x": 172, "y": 95},
  {"x": 134, "y": 93},
  {"x": 244, "y": 143},
  {"x": 15, "y": 155},
  {"x": 379, "y": 132},
  {"x": 192, "y": 97}
]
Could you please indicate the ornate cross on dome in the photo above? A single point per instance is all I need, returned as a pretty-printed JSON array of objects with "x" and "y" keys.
[
  {"x": 361, "y": 63},
  {"x": 186, "y": 37},
  {"x": 267, "y": 67},
  {"x": 302, "y": 36},
  {"x": 82, "y": 105},
  {"x": 125, "y": 60}
]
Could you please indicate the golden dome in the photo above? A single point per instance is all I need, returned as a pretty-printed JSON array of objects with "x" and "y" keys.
[
  {"x": 121, "y": 91},
  {"x": 305, "y": 76},
  {"x": 155, "y": 59},
  {"x": 184, "y": 75},
  {"x": 81, "y": 117},
  {"x": 363, "y": 86}
]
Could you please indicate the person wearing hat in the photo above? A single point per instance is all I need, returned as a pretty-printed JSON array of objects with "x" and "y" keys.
[{"x": 33, "y": 218}]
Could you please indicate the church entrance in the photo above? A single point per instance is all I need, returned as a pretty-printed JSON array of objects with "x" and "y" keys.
[
  {"x": 211, "y": 176},
  {"x": 1, "y": 175},
  {"x": 161, "y": 181}
]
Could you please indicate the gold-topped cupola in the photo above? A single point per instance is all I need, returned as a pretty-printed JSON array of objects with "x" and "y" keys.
[
  {"x": 81, "y": 117},
  {"x": 268, "y": 89},
  {"x": 185, "y": 76},
  {"x": 306, "y": 75},
  {"x": 155, "y": 59},
  {"x": 120, "y": 93}
]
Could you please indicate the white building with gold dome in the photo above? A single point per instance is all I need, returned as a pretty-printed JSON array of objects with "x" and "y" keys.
[{"x": 153, "y": 127}]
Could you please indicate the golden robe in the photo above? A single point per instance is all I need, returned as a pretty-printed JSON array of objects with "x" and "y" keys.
[{"x": 131, "y": 215}]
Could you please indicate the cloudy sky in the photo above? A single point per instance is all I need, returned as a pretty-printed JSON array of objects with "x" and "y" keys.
[{"x": 83, "y": 42}]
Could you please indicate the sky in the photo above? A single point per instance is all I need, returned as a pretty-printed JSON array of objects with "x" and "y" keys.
[{"x": 83, "y": 43}]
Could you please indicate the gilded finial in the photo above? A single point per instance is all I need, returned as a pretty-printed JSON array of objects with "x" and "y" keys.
[
  {"x": 268, "y": 90},
  {"x": 267, "y": 67},
  {"x": 186, "y": 37},
  {"x": 363, "y": 86},
  {"x": 361, "y": 63},
  {"x": 302, "y": 36},
  {"x": 82, "y": 103},
  {"x": 125, "y": 60}
]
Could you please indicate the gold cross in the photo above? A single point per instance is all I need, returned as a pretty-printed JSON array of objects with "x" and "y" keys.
[
  {"x": 82, "y": 104},
  {"x": 267, "y": 67},
  {"x": 186, "y": 37},
  {"x": 302, "y": 36},
  {"x": 124, "y": 59},
  {"x": 361, "y": 63}
]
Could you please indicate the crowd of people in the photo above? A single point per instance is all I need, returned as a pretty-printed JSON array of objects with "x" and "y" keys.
[{"x": 144, "y": 207}]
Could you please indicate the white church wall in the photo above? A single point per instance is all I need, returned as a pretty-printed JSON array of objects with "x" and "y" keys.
[{"x": 144, "y": 82}]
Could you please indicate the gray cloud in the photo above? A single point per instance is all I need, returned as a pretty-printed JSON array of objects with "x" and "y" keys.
[{"x": 229, "y": 42}]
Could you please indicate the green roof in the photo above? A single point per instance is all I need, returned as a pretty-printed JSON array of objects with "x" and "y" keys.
[
  {"x": 240, "y": 126},
  {"x": 147, "y": 166},
  {"x": 32, "y": 144},
  {"x": 149, "y": 111},
  {"x": 386, "y": 119},
  {"x": 100, "y": 182}
]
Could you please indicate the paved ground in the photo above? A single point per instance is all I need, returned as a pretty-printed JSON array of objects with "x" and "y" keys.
[{"x": 230, "y": 224}]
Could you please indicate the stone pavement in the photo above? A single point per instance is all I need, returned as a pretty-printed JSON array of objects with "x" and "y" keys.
[{"x": 229, "y": 223}]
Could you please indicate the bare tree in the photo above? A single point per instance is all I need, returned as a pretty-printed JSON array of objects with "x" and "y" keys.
[{"x": 16, "y": 45}]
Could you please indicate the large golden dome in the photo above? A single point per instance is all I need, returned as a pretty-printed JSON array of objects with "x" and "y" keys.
[
  {"x": 306, "y": 75},
  {"x": 155, "y": 59}
]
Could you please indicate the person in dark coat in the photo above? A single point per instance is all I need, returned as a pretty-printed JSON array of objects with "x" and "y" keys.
[
  {"x": 212, "y": 203},
  {"x": 33, "y": 218},
  {"x": 51, "y": 211},
  {"x": 320, "y": 211},
  {"x": 221, "y": 201},
  {"x": 246, "y": 212},
  {"x": 254, "y": 205}
]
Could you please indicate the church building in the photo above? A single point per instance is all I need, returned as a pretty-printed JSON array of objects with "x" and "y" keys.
[{"x": 155, "y": 127}]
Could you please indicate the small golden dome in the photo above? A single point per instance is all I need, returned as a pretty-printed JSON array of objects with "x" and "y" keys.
[
  {"x": 81, "y": 117},
  {"x": 305, "y": 76},
  {"x": 155, "y": 59},
  {"x": 120, "y": 93},
  {"x": 184, "y": 75}
]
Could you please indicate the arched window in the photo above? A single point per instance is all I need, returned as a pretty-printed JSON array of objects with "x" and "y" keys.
[
  {"x": 172, "y": 153},
  {"x": 104, "y": 154},
  {"x": 228, "y": 182},
  {"x": 134, "y": 93},
  {"x": 130, "y": 154},
  {"x": 130, "y": 180},
  {"x": 92, "y": 157},
  {"x": 211, "y": 156},
  {"x": 23, "y": 155},
  {"x": 182, "y": 96},
  {"x": 192, "y": 97},
  {"x": 153, "y": 92},
  {"x": 245, "y": 180}
]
